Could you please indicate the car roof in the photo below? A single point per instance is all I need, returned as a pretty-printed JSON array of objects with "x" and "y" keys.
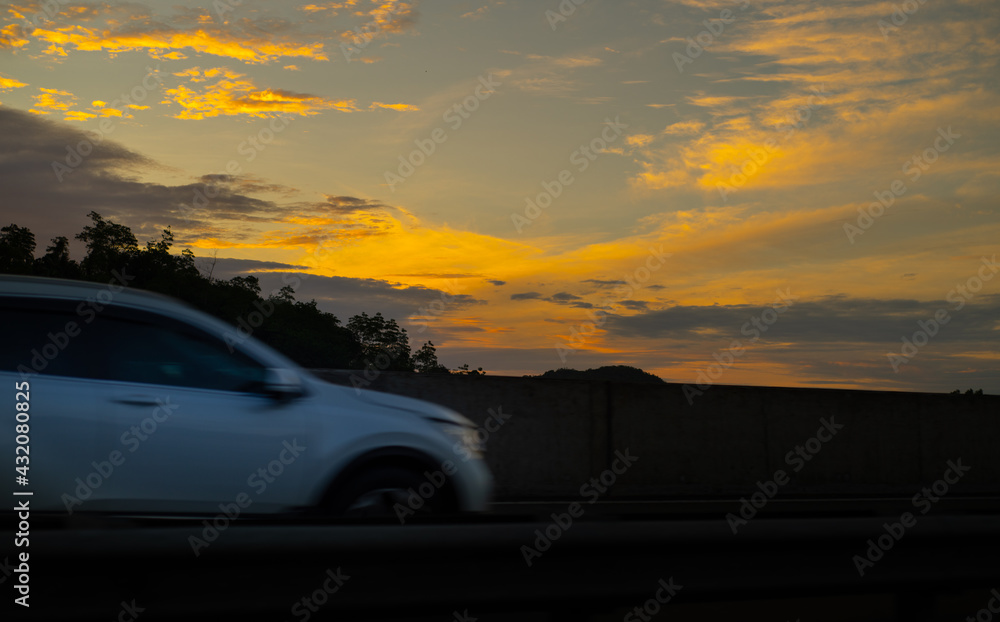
[
  {"x": 66, "y": 289},
  {"x": 18, "y": 286}
]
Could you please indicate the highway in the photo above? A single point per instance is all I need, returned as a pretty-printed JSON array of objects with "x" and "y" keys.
[{"x": 637, "y": 560}]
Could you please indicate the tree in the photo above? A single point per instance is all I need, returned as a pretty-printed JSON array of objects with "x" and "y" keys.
[
  {"x": 384, "y": 345},
  {"x": 155, "y": 268},
  {"x": 425, "y": 360},
  {"x": 969, "y": 392},
  {"x": 17, "y": 250},
  {"x": 312, "y": 338},
  {"x": 56, "y": 262},
  {"x": 110, "y": 246},
  {"x": 465, "y": 371},
  {"x": 285, "y": 294}
]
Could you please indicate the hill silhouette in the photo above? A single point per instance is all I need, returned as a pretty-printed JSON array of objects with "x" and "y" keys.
[{"x": 618, "y": 373}]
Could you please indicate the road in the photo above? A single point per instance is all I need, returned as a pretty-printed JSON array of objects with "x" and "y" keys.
[{"x": 671, "y": 560}]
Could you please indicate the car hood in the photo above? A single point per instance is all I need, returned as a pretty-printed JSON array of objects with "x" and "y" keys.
[{"x": 421, "y": 408}]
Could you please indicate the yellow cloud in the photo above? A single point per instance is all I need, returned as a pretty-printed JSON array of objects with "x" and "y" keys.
[
  {"x": 78, "y": 115},
  {"x": 638, "y": 140},
  {"x": 234, "y": 94},
  {"x": 684, "y": 127},
  {"x": 397, "y": 107},
  {"x": 389, "y": 15},
  {"x": 477, "y": 14},
  {"x": 161, "y": 55},
  {"x": 55, "y": 50},
  {"x": 11, "y": 37},
  {"x": 52, "y": 100},
  {"x": 10, "y": 83},
  {"x": 838, "y": 82},
  {"x": 161, "y": 43},
  {"x": 330, "y": 8}
]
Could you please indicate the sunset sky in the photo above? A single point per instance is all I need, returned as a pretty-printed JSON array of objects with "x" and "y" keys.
[{"x": 535, "y": 184}]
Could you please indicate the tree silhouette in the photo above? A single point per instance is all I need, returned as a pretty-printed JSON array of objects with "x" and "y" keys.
[
  {"x": 384, "y": 344},
  {"x": 425, "y": 360},
  {"x": 110, "y": 246},
  {"x": 56, "y": 262},
  {"x": 17, "y": 250}
]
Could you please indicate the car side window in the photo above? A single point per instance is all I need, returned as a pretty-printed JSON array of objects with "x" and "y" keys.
[
  {"x": 122, "y": 345},
  {"x": 46, "y": 340},
  {"x": 171, "y": 354}
]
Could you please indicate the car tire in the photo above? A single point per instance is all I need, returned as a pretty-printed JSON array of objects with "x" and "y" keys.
[{"x": 388, "y": 492}]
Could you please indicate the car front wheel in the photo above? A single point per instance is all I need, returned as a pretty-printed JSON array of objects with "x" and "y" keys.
[{"x": 390, "y": 492}]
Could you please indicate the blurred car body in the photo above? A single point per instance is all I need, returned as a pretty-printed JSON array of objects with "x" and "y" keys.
[{"x": 142, "y": 405}]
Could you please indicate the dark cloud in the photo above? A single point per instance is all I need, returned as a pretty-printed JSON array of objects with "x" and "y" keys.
[
  {"x": 414, "y": 307},
  {"x": 50, "y": 187},
  {"x": 562, "y": 297},
  {"x": 496, "y": 282},
  {"x": 526, "y": 296},
  {"x": 830, "y": 319},
  {"x": 602, "y": 283},
  {"x": 345, "y": 204},
  {"x": 226, "y": 268},
  {"x": 243, "y": 184},
  {"x": 635, "y": 305}
]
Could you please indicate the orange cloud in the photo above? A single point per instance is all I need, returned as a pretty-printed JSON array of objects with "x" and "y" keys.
[
  {"x": 867, "y": 87},
  {"x": 167, "y": 43},
  {"x": 78, "y": 115},
  {"x": 10, "y": 83},
  {"x": 235, "y": 94},
  {"x": 397, "y": 107},
  {"x": 387, "y": 16},
  {"x": 11, "y": 37},
  {"x": 330, "y": 8},
  {"x": 52, "y": 100}
]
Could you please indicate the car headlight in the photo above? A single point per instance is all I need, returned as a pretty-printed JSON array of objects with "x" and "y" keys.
[{"x": 466, "y": 441}]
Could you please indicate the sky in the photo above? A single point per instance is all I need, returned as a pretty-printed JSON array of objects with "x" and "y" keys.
[{"x": 727, "y": 192}]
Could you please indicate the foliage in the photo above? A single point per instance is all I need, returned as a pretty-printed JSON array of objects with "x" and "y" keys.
[
  {"x": 17, "y": 250},
  {"x": 56, "y": 262},
  {"x": 969, "y": 392},
  {"x": 465, "y": 371},
  {"x": 316, "y": 337},
  {"x": 110, "y": 246},
  {"x": 384, "y": 344},
  {"x": 425, "y": 360}
]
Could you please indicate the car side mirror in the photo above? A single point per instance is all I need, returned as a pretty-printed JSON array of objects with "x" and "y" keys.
[{"x": 283, "y": 384}]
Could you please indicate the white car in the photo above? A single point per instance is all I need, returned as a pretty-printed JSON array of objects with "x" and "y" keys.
[{"x": 133, "y": 403}]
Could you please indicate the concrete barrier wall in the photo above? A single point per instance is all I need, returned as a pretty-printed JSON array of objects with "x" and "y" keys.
[{"x": 557, "y": 434}]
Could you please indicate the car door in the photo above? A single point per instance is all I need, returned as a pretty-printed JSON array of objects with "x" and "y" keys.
[
  {"x": 45, "y": 363},
  {"x": 195, "y": 429}
]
